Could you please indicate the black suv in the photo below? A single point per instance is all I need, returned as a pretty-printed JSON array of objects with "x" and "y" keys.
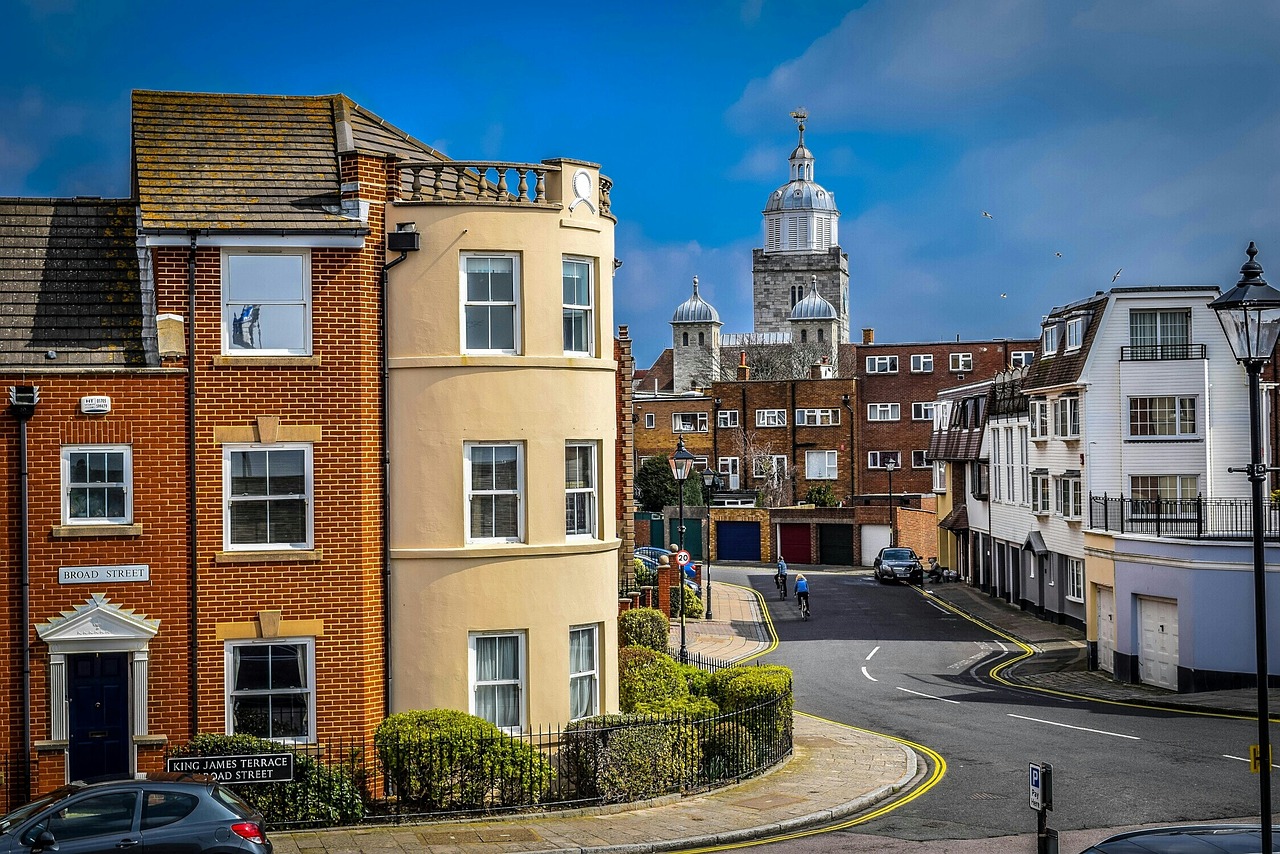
[
  {"x": 160, "y": 812},
  {"x": 895, "y": 563}
]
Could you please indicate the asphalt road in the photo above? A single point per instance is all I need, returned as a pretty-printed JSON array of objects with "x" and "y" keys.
[{"x": 882, "y": 657}]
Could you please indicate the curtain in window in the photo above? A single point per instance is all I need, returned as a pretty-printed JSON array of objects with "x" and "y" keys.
[
  {"x": 582, "y": 666},
  {"x": 270, "y": 690},
  {"x": 1143, "y": 329},
  {"x": 498, "y": 663}
]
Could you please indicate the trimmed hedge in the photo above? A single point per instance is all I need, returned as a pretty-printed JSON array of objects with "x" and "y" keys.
[
  {"x": 729, "y": 751},
  {"x": 619, "y": 758},
  {"x": 443, "y": 759},
  {"x": 698, "y": 680},
  {"x": 693, "y": 607},
  {"x": 646, "y": 576},
  {"x": 738, "y": 688},
  {"x": 317, "y": 795},
  {"x": 689, "y": 707},
  {"x": 647, "y": 627},
  {"x": 646, "y": 676}
]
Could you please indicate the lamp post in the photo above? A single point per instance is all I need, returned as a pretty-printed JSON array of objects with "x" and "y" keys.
[
  {"x": 681, "y": 466},
  {"x": 709, "y": 480},
  {"x": 889, "y": 466},
  {"x": 1250, "y": 317}
]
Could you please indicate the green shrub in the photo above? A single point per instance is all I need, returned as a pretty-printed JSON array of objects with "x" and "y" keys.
[
  {"x": 619, "y": 758},
  {"x": 738, "y": 688},
  {"x": 318, "y": 794},
  {"x": 698, "y": 680},
  {"x": 821, "y": 496},
  {"x": 686, "y": 707},
  {"x": 693, "y": 607},
  {"x": 645, "y": 574},
  {"x": 647, "y": 676},
  {"x": 647, "y": 627},
  {"x": 442, "y": 759}
]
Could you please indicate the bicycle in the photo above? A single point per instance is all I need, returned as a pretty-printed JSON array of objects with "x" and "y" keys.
[
  {"x": 804, "y": 605},
  {"x": 780, "y": 581}
]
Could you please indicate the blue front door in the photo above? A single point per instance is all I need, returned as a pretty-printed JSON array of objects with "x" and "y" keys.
[{"x": 98, "y": 689}]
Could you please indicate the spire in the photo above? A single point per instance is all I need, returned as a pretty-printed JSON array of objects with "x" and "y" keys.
[{"x": 800, "y": 115}]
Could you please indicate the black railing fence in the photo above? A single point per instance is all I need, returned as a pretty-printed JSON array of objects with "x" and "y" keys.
[
  {"x": 607, "y": 759},
  {"x": 1196, "y": 518}
]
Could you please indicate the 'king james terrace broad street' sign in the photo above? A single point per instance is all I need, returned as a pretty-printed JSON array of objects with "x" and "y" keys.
[{"x": 259, "y": 768}]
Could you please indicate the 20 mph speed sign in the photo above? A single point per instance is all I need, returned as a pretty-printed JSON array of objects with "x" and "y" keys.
[{"x": 682, "y": 557}]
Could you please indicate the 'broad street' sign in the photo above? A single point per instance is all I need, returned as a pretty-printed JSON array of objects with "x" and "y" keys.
[{"x": 258, "y": 768}]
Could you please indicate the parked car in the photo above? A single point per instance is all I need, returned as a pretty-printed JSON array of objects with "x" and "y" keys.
[
  {"x": 160, "y": 812},
  {"x": 1189, "y": 839},
  {"x": 895, "y": 563}
]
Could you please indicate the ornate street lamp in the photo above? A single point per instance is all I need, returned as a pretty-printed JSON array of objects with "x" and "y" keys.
[
  {"x": 1250, "y": 317},
  {"x": 681, "y": 466},
  {"x": 709, "y": 480},
  {"x": 889, "y": 466}
]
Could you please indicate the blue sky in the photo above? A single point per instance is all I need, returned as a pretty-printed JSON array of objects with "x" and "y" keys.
[{"x": 1136, "y": 135}]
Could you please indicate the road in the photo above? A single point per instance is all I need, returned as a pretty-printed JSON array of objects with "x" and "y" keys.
[{"x": 885, "y": 658}]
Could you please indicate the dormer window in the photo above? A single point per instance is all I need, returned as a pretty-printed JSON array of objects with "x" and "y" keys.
[
  {"x": 1075, "y": 333},
  {"x": 1049, "y": 340}
]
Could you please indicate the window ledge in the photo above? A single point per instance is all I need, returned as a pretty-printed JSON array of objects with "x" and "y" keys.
[
  {"x": 150, "y": 740},
  {"x": 68, "y": 531},
  {"x": 266, "y": 361},
  {"x": 270, "y": 556},
  {"x": 55, "y": 745}
]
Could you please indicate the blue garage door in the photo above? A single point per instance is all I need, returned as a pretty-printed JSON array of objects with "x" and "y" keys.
[{"x": 738, "y": 541}]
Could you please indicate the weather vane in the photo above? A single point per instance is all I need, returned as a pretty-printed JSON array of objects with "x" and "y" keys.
[{"x": 800, "y": 115}]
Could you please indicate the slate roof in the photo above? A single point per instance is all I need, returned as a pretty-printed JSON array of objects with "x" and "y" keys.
[
  {"x": 660, "y": 376},
  {"x": 71, "y": 284},
  {"x": 1064, "y": 367},
  {"x": 252, "y": 163}
]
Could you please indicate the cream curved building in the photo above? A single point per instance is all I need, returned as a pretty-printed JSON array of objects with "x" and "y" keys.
[{"x": 501, "y": 422}]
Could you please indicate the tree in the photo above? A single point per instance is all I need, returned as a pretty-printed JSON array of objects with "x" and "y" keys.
[
  {"x": 656, "y": 486},
  {"x": 771, "y": 359},
  {"x": 766, "y": 465}
]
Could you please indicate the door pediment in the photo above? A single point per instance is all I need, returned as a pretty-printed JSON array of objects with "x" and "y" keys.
[{"x": 97, "y": 624}]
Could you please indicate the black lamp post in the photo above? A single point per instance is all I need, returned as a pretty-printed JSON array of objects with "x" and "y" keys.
[
  {"x": 889, "y": 466},
  {"x": 681, "y": 466},
  {"x": 709, "y": 480},
  {"x": 1250, "y": 316}
]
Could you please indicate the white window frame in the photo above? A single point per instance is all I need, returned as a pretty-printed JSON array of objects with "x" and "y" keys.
[
  {"x": 771, "y": 418},
  {"x": 821, "y": 465},
  {"x": 922, "y": 410},
  {"x": 882, "y": 364},
  {"x": 921, "y": 363},
  {"x": 308, "y": 690},
  {"x": 1040, "y": 423},
  {"x": 237, "y": 310},
  {"x": 1039, "y": 497},
  {"x": 1075, "y": 333},
  {"x": 649, "y": 421},
  {"x": 1066, "y": 418},
  {"x": 960, "y": 362},
  {"x": 884, "y": 411},
  {"x": 730, "y": 468},
  {"x": 574, "y": 308},
  {"x": 940, "y": 476},
  {"x": 878, "y": 459},
  {"x": 817, "y": 417},
  {"x": 1049, "y": 340},
  {"x": 229, "y": 451},
  {"x": 1026, "y": 465},
  {"x": 771, "y": 466},
  {"x": 996, "y": 492},
  {"x": 919, "y": 459},
  {"x": 1075, "y": 579},
  {"x": 1021, "y": 358},
  {"x": 1184, "y": 408},
  {"x": 514, "y": 303},
  {"x": 1068, "y": 497},
  {"x": 574, "y": 495},
  {"x": 474, "y": 683},
  {"x": 689, "y": 422},
  {"x": 469, "y": 493},
  {"x": 125, "y": 484},
  {"x": 727, "y": 418},
  {"x": 591, "y": 675}
]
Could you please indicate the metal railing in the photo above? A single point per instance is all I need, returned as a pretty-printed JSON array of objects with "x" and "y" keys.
[
  {"x": 610, "y": 759},
  {"x": 1196, "y": 518},
  {"x": 1161, "y": 352}
]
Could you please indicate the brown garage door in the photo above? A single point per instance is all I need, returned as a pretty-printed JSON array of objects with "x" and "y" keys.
[{"x": 793, "y": 538}]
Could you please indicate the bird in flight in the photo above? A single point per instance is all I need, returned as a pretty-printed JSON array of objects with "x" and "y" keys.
[
  {"x": 1057, "y": 255},
  {"x": 987, "y": 215},
  {"x": 1117, "y": 275},
  {"x": 1003, "y": 296}
]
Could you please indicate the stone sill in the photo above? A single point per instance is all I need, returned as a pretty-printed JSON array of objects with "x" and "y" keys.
[
  {"x": 270, "y": 556},
  {"x": 266, "y": 361},
  {"x": 68, "y": 531}
]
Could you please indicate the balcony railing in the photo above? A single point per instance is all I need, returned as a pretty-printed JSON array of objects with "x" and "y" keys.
[
  {"x": 483, "y": 182},
  {"x": 1196, "y": 518},
  {"x": 1161, "y": 352}
]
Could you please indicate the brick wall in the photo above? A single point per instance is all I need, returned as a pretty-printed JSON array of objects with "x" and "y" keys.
[{"x": 918, "y": 528}]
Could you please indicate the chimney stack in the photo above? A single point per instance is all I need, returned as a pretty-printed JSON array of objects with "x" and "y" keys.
[
  {"x": 744, "y": 370},
  {"x": 868, "y": 335}
]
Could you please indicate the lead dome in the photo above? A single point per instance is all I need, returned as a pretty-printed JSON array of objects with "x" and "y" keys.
[
  {"x": 813, "y": 306},
  {"x": 695, "y": 309}
]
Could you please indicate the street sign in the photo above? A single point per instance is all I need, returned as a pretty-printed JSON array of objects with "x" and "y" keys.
[
  {"x": 682, "y": 557},
  {"x": 1040, "y": 778},
  {"x": 257, "y": 768}
]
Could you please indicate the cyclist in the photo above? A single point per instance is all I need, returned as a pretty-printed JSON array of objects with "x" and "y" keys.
[
  {"x": 780, "y": 577},
  {"x": 802, "y": 594}
]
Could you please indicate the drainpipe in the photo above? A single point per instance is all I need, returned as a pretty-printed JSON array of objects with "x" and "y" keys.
[
  {"x": 406, "y": 239},
  {"x": 22, "y": 405},
  {"x": 193, "y": 568}
]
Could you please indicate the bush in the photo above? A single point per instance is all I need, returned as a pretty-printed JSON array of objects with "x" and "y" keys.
[
  {"x": 686, "y": 707},
  {"x": 646, "y": 575},
  {"x": 822, "y": 496},
  {"x": 739, "y": 688},
  {"x": 698, "y": 680},
  {"x": 647, "y": 676},
  {"x": 318, "y": 794},
  {"x": 693, "y": 607},
  {"x": 618, "y": 758},
  {"x": 647, "y": 627},
  {"x": 728, "y": 751},
  {"x": 442, "y": 759}
]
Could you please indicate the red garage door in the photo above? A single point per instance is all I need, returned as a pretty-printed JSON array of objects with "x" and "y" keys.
[{"x": 793, "y": 538}]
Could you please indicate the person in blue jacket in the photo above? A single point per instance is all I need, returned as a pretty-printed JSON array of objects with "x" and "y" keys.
[
  {"x": 802, "y": 591},
  {"x": 780, "y": 577}
]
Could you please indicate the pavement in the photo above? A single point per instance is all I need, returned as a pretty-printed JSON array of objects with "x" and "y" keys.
[{"x": 834, "y": 771}]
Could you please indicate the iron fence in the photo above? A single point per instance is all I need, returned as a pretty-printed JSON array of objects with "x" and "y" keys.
[
  {"x": 1196, "y": 518},
  {"x": 606, "y": 759}
]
